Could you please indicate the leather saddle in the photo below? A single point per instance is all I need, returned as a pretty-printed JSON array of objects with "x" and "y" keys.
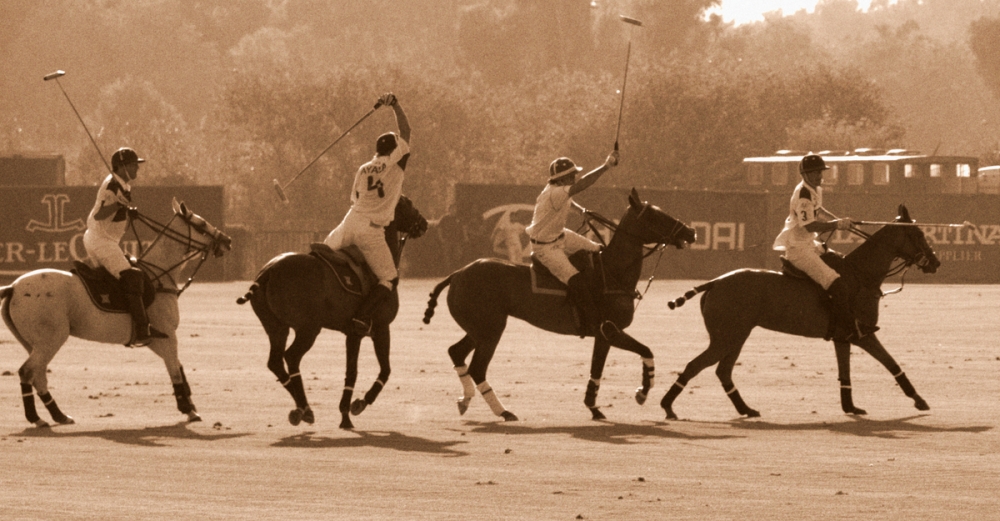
[
  {"x": 543, "y": 282},
  {"x": 348, "y": 266},
  {"x": 832, "y": 259},
  {"x": 106, "y": 291}
]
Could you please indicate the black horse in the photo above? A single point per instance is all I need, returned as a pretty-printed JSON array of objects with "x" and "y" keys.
[
  {"x": 733, "y": 304},
  {"x": 301, "y": 292},
  {"x": 487, "y": 291}
]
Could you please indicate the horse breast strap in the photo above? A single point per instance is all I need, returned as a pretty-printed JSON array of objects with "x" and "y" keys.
[{"x": 348, "y": 266}]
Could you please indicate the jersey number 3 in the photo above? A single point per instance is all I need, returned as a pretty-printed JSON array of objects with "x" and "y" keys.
[{"x": 376, "y": 185}]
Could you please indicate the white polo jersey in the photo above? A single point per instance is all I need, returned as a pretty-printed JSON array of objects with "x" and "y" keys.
[
  {"x": 379, "y": 183},
  {"x": 111, "y": 191},
  {"x": 802, "y": 210},
  {"x": 551, "y": 210}
]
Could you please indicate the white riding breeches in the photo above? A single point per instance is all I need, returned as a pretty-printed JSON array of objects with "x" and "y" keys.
[
  {"x": 103, "y": 252},
  {"x": 358, "y": 230},
  {"x": 555, "y": 256},
  {"x": 808, "y": 260}
]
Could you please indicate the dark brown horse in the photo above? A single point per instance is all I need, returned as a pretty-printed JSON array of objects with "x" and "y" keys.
[
  {"x": 488, "y": 291},
  {"x": 733, "y": 304},
  {"x": 298, "y": 291}
]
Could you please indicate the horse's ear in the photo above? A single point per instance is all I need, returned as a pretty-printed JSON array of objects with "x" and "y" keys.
[
  {"x": 178, "y": 210},
  {"x": 903, "y": 215},
  {"x": 633, "y": 198}
]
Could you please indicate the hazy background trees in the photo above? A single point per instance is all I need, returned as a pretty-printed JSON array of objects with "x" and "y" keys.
[{"x": 240, "y": 92}]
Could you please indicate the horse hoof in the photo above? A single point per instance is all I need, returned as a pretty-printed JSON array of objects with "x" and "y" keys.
[
  {"x": 920, "y": 404},
  {"x": 670, "y": 414},
  {"x": 752, "y": 413},
  {"x": 66, "y": 420},
  {"x": 857, "y": 411},
  {"x": 308, "y": 416},
  {"x": 346, "y": 423},
  {"x": 193, "y": 417},
  {"x": 295, "y": 417},
  {"x": 508, "y": 416},
  {"x": 640, "y": 396},
  {"x": 358, "y": 406},
  {"x": 463, "y": 405},
  {"x": 597, "y": 414},
  {"x": 41, "y": 423}
]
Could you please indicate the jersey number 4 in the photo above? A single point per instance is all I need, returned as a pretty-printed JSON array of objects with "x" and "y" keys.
[{"x": 376, "y": 185}]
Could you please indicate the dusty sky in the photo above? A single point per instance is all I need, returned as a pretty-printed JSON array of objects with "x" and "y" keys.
[{"x": 745, "y": 11}]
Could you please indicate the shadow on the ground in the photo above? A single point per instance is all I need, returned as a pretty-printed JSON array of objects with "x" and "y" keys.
[
  {"x": 145, "y": 437},
  {"x": 601, "y": 431},
  {"x": 862, "y": 426},
  {"x": 375, "y": 439}
]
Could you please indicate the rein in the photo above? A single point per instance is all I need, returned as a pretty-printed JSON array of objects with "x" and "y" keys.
[
  {"x": 194, "y": 247},
  {"x": 899, "y": 269}
]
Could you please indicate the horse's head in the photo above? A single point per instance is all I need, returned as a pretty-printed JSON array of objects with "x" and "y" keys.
[
  {"x": 408, "y": 219},
  {"x": 912, "y": 246},
  {"x": 656, "y": 227},
  {"x": 211, "y": 238}
]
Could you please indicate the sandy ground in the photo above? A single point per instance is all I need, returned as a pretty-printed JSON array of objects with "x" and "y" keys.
[{"x": 131, "y": 456}]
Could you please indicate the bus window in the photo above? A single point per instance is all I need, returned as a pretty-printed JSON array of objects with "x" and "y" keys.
[
  {"x": 909, "y": 171},
  {"x": 963, "y": 170},
  {"x": 755, "y": 174},
  {"x": 855, "y": 174},
  {"x": 880, "y": 173},
  {"x": 779, "y": 174},
  {"x": 935, "y": 170}
]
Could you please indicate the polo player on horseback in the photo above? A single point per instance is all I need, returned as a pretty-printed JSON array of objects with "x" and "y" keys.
[
  {"x": 552, "y": 242},
  {"x": 106, "y": 226},
  {"x": 374, "y": 194},
  {"x": 807, "y": 218}
]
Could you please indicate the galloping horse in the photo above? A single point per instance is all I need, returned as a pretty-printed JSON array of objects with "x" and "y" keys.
[
  {"x": 298, "y": 291},
  {"x": 44, "y": 307},
  {"x": 733, "y": 304},
  {"x": 487, "y": 291}
]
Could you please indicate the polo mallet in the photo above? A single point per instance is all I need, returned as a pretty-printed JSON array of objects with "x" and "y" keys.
[
  {"x": 965, "y": 224},
  {"x": 55, "y": 76},
  {"x": 628, "y": 54},
  {"x": 278, "y": 187}
]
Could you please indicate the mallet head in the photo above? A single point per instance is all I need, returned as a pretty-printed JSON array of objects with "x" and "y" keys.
[
  {"x": 53, "y": 75},
  {"x": 628, "y": 20},
  {"x": 281, "y": 191}
]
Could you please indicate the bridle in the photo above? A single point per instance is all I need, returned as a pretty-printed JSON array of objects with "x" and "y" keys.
[
  {"x": 920, "y": 259},
  {"x": 194, "y": 247}
]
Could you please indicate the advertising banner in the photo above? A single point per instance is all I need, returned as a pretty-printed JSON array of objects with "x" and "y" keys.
[{"x": 42, "y": 227}]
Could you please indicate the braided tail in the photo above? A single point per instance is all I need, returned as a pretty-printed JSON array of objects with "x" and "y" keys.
[
  {"x": 432, "y": 303},
  {"x": 679, "y": 301},
  {"x": 249, "y": 294}
]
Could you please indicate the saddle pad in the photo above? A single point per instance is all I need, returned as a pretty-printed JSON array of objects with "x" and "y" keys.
[
  {"x": 105, "y": 291},
  {"x": 348, "y": 267}
]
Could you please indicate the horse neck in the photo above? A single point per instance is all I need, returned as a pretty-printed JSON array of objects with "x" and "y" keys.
[
  {"x": 622, "y": 257},
  {"x": 871, "y": 260},
  {"x": 166, "y": 256}
]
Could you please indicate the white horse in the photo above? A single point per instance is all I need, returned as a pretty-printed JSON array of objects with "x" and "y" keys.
[{"x": 43, "y": 308}]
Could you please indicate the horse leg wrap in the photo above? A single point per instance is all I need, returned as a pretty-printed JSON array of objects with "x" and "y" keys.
[
  {"x": 648, "y": 373},
  {"x": 491, "y": 398},
  {"x": 345, "y": 400},
  {"x": 373, "y": 392},
  {"x": 590, "y": 398},
  {"x": 846, "y": 397},
  {"x": 50, "y": 404},
  {"x": 905, "y": 385},
  {"x": 468, "y": 386},
  {"x": 28, "y": 396},
  {"x": 741, "y": 406},
  {"x": 297, "y": 390},
  {"x": 672, "y": 394}
]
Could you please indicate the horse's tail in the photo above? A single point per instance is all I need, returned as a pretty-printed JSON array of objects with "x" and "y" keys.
[
  {"x": 679, "y": 301},
  {"x": 432, "y": 303},
  {"x": 249, "y": 294}
]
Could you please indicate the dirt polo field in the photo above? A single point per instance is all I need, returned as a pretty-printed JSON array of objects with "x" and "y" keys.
[{"x": 411, "y": 456}]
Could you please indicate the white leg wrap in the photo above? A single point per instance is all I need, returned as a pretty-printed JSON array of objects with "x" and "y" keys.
[
  {"x": 596, "y": 381},
  {"x": 468, "y": 386},
  {"x": 648, "y": 362},
  {"x": 491, "y": 398}
]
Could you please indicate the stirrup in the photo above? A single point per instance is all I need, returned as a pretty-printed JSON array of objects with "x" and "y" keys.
[
  {"x": 143, "y": 340},
  {"x": 361, "y": 327}
]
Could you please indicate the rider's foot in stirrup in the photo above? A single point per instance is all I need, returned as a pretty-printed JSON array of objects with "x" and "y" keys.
[
  {"x": 361, "y": 326},
  {"x": 144, "y": 336}
]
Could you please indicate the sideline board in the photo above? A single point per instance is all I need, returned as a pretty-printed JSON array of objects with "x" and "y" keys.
[
  {"x": 735, "y": 230},
  {"x": 42, "y": 226}
]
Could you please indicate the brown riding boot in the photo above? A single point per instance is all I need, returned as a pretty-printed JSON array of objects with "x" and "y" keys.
[
  {"x": 844, "y": 326},
  {"x": 362, "y": 321},
  {"x": 579, "y": 294},
  {"x": 143, "y": 333}
]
